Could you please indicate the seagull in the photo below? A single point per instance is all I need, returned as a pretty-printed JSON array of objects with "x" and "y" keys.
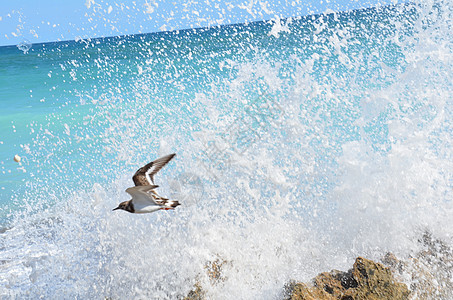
[{"x": 144, "y": 197}]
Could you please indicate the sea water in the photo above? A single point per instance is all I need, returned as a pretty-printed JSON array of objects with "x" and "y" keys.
[{"x": 301, "y": 144}]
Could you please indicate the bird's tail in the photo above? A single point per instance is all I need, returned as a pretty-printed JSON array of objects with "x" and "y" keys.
[{"x": 170, "y": 204}]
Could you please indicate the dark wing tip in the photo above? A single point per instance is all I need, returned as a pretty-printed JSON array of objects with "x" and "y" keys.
[
  {"x": 170, "y": 156},
  {"x": 141, "y": 176}
]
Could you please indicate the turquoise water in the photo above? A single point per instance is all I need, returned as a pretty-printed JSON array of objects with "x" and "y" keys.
[{"x": 301, "y": 144}]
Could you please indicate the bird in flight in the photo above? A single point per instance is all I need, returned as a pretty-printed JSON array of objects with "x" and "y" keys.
[{"x": 144, "y": 197}]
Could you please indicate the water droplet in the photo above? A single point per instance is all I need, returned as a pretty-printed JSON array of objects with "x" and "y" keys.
[{"x": 24, "y": 46}]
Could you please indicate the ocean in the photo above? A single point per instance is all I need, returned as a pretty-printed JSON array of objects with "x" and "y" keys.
[{"x": 301, "y": 144}]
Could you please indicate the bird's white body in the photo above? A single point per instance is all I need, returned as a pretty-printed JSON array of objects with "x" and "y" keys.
[
  {"x": 146, "y": 200},
  {"x": 146, "y": 209}
]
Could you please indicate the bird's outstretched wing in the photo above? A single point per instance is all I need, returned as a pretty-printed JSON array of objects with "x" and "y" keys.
[
  {"x": 141, "y": 195},
  {"x": 145, "y": 175}
]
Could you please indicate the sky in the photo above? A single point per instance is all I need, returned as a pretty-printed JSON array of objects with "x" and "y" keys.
[{"x": 36, "y": 21}]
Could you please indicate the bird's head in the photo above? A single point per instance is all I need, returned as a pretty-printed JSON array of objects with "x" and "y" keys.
[{"x": 122, "y": 205}]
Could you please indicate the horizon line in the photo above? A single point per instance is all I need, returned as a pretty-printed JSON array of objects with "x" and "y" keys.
[{"x": 317, "y": 15}]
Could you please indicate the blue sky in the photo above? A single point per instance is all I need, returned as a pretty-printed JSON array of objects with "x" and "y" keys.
[{"x": 34, "y": 21}]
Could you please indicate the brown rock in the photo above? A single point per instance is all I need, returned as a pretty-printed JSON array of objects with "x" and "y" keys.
[
  {"x": 196, "y": 294},
  {"x": 214, "y": 272},
  {"x": 366, "y": 280},
  {"x": 376, "y": 282},
  {"x": 302, "y": 291}
]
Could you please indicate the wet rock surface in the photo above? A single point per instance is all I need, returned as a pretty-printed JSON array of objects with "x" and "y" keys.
[
  {"x": 427, "y": 274},
  {"x": 366, "y": 280}
]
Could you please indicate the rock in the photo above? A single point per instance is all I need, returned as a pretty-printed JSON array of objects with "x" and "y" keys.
[
  {"x": 196, "y": 294},
  {"x": 214, "y": 272},
  {"x": 302, "y": 291},
  {"x": 428, "y": 274},
  {"x": 376, "y": 282},
  {"x": 366, "y": 280}
]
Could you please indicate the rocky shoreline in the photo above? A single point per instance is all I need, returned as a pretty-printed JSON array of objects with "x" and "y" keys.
[
  {"x": 426, "y": 275},
  {"x": 366, "y": 280}
]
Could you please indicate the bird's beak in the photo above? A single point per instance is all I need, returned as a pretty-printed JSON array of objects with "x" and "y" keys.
[{"x": 116, "y": 208}]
